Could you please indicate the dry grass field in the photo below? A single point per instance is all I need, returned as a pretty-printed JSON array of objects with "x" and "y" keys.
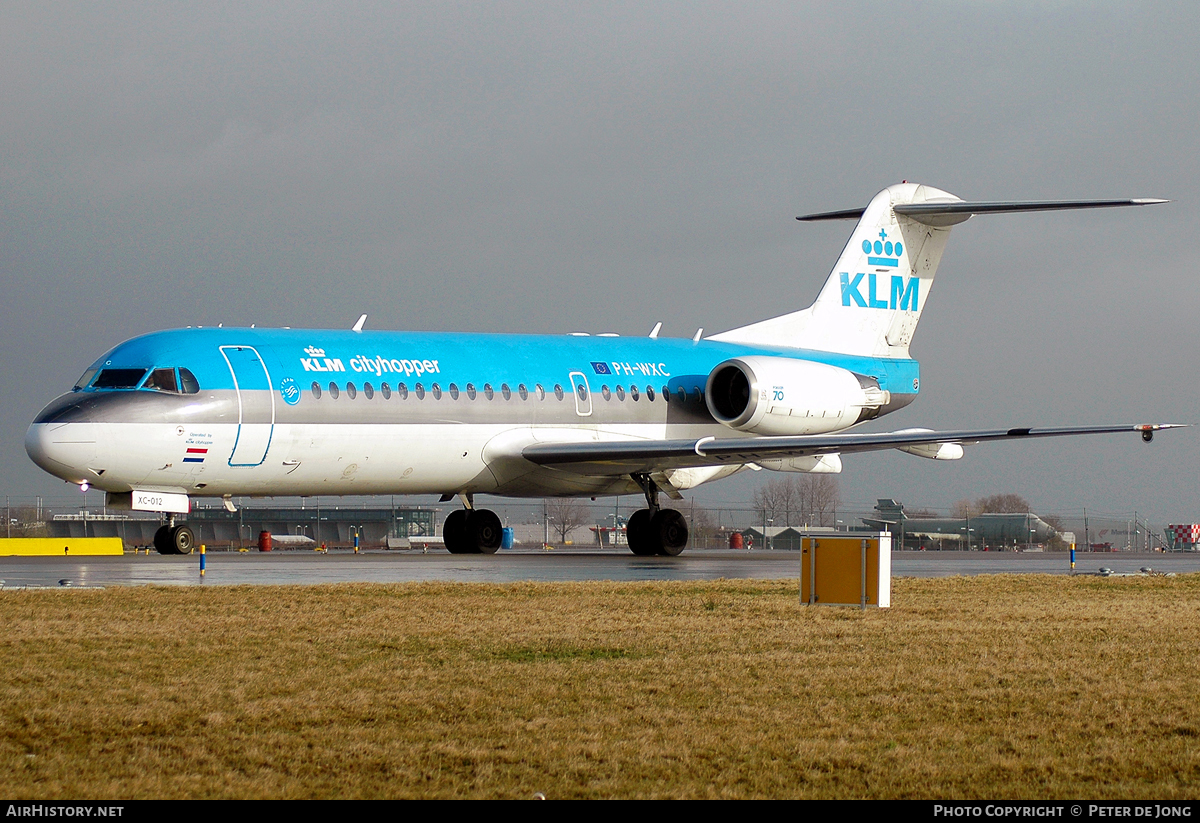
[{"x": 984, "y": 687}]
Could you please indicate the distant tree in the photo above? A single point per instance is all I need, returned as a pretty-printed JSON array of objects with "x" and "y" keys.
[
  {"x": 804, "y": 498},
  {"x": 965, "y": 508},
  {"x": 1003, "y": 504},
  {"x": 566, "y": 514},
  {"x": 1057, "y": 544},
  {"x": 24, "y": 522},
  {"x": 819, "y": 497},
  {"x": 702, "y": 525},
  {"x": 776, "y": 499}
]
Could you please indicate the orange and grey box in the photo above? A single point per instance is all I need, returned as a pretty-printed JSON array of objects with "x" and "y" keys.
[{"x": 847, "y": 571}]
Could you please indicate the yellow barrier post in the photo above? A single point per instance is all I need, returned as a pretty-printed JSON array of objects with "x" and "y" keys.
[{"x": 60, "y": 546}]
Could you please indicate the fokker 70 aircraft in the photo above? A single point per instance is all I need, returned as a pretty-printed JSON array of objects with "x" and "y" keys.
[{"x": 219, "y": 412}]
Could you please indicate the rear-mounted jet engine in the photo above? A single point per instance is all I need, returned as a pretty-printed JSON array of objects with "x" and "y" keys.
[{"x": 778, "y": 395}]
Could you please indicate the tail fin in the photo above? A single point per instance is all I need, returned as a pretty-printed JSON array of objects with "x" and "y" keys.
[{"x": 873, "y": 299}]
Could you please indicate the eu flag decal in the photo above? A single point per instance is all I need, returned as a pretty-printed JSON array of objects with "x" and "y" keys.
[{"x": 601, "y": 368}]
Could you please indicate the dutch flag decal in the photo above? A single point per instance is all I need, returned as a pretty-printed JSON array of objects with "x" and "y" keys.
[{"x": 195, "y": 455}]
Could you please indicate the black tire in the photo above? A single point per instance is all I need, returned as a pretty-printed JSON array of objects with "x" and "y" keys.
[
  {"x": 183, "y": 541},
  {"x": 670, "y": 531},
  {"x": 638, "y": 534},
  {"x": 162, "y": 540},
  {"x": 454, "y": 532},
  {"x": 484, "y": 531}
]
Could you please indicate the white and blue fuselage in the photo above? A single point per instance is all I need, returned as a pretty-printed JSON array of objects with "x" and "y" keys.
[{"x": 289, "y": 412}]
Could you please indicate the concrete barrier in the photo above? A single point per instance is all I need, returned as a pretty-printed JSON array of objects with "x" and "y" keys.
[{"x": 59, "y": 546}]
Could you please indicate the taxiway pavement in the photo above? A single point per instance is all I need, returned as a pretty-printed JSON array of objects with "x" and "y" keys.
[{"x": 308, "y": 568}]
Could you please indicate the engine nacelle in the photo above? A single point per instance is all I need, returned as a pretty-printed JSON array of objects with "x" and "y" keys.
[{"x": 778, "y": 395}]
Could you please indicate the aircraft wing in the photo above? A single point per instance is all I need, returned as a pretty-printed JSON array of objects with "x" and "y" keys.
[{"x": 628, "y": 456}]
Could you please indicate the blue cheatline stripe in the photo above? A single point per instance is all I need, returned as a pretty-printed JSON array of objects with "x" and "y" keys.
[
  {"x": 883, "y": 261},
  {"x": 463, "y": 358}
]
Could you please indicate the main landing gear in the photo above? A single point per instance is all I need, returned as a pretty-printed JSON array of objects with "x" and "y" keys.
[
  {"x": 172, "y": 539},
  {"x": 472, "y": 531},
  {"x": 653, "y": 530}
]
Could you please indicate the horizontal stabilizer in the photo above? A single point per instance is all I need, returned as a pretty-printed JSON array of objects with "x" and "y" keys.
[
  {"x": 948, "y": 214},
  {"x": 845, "y": 214},
  {"x": 951, "y": 212}
]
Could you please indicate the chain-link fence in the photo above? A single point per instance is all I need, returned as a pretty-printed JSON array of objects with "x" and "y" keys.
[{"x": 582, "y": 523}]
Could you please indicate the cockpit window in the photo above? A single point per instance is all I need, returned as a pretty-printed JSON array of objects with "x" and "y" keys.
[
  {"x": 188, "y": 382},
  {"x": 118, "y": 378},
  {"x": 167, "y": 380},
  {"x": 82, "y": 382},
  {"x": 161, "y": 380}
]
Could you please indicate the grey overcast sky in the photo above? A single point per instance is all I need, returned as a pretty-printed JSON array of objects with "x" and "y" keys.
[{"x": 554, "y": 167}]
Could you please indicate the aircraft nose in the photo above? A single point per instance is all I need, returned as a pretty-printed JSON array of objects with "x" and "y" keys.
[{"x": 63, "y": 449}]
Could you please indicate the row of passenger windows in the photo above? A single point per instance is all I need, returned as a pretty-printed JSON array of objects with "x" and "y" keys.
[{"x": 419, "y": 391}]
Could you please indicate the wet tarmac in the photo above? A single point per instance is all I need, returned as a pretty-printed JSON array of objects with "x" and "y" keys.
[{"x": 307, "y": 568}]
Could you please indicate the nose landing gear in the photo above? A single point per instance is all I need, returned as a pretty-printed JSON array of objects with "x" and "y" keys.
[{"x": 174, "y": 540}]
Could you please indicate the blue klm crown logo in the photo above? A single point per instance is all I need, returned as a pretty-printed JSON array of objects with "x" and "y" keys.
[{"x": 886, "y": 252}]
